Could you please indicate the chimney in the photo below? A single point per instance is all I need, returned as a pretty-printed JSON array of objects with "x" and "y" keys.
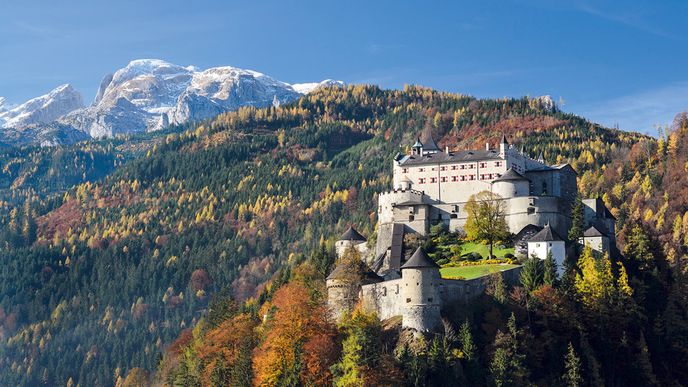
[
  {"x": 487, "y": 146},
  {"x": 446, "y": 149}
]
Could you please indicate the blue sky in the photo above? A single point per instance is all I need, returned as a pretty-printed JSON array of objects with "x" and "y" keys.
[{"x": 615, "y": 62}]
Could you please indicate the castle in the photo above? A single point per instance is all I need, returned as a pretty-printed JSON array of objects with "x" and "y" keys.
[{"x": 432, "y": 186}]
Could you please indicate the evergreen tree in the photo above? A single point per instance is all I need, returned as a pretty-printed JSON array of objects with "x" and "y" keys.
[
  {"x": 576, "y": 230},
  {"x": 572, "y": 375},
  {"x": 468, "y": 347},
  {"x": 532, "y": 273},
  {"x": 220, "y": 375},
  {"x": 550, "y": 270},
  {"x": 508, "y": 361}
]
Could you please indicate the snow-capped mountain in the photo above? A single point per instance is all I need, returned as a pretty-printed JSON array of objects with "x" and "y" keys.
[
  {"x": 149, "y": 94},
  {"x": 42, "y": 110},
  {"x": 305, "y": 88}
]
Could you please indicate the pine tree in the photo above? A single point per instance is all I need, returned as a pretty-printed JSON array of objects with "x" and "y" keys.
[
  {"x": 572, "y": 376},
  {"x": 550, "y": 270},
  {"x": 508, "y": 362},
  {"x": 220, "y": 374},
  {"x": 532, "y": 274},
  {"x": 468, "y": 347},
  {"x": 576, "y": 230}
]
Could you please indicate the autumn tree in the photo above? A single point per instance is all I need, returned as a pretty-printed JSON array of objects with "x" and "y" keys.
[{"x": 486, "y": 220}]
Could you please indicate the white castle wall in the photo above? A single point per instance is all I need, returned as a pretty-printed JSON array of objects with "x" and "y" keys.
[
  {"x": 557, "y": 248},
  {"x": 599, "y": 244}
]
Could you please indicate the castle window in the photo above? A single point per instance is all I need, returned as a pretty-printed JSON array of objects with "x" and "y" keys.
[
  {"x": 443, "y": 168},
  {"x": 430, "y": 299},
  {"x": 443, "y": 179},
  {"x": 421, "y": 169},
  {"x": 471, "y": 166},
  {"x": 498, "y": 163},
  {"x": 453, "y": 167},
  {"x": 453, "y": 216},
  {"x": 384, "y": 292},
  {"x": 472, "y": 177},
  {"x": 397, "y": 291},
  {"x": 421, "y": 180},
  {"x": 404, "y": 170},
  {"x": 455, "y": 178},
  {"x": 433, "y": 180},
  {"x": 408, "y": 300},
  {"x": 531, "y": 210},
  {"x": 463, "y": 166},
  {"x": 483, "y": 165},
  {"x": 463, "y": 178}
]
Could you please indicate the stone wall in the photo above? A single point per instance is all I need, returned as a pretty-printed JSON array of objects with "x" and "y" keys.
[{"x": 383, "y": 298}]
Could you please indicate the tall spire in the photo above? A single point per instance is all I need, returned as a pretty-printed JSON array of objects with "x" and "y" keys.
[{"x": 429, "y": 144}]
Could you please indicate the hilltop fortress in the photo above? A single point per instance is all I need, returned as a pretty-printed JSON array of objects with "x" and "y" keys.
[{"x": 432, "y": 186}]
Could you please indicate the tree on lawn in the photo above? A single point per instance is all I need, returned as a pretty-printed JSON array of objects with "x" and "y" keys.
[{"x": 486, "y": 221}]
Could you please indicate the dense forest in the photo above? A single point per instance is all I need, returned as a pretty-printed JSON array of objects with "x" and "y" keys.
[{"x": 198, "y": 256}]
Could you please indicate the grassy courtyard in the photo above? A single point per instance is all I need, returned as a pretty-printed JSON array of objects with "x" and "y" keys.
[
  {"x": 484, "y": 250},
  {"x": 472, "y": 271}
]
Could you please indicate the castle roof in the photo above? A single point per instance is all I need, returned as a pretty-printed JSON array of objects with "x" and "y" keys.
[
  {"x": 419, "y": 260},
  {"x": 428, "y": 142},
  {"x": 457, "y": 157},
  {"x": 593, "y": 231},
  {"x": 510, "y": 174},
  {"x": 417, "y": 144},
  {"x": 352, "y": 235},
  {"x": 546, "y": 235}
]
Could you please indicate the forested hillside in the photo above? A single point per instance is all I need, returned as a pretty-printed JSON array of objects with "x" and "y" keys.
[{"x": 209, "y": 224}]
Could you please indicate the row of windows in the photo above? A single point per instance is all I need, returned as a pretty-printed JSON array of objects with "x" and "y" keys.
[
  {"x": 444, "y": 179},
  {"x": 456, "y": 167}
]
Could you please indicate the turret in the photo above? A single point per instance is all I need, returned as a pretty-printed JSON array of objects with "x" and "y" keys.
[
  {"x": 503, "y": 146},
  {"x": 429, "y": 144},
  {"x": 417, "y": 148},
  {"x": 351, "y": 238},
  {"x": 421, "y": 304},
  {"x": 511, "y": 184}
]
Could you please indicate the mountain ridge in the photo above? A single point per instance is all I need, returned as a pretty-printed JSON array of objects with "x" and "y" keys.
[{"x": 146, "y": 95}]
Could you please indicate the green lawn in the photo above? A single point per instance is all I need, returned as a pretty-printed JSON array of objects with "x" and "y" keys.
[
  {"x": 472, "y": 271},
  {"x": 484, "y": 250}
]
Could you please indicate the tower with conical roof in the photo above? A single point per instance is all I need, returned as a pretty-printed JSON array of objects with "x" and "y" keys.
[
  {"x": 503, "y": 146},
  {"x": 547, "y": 242},
  {"x": 351, "y": 238},
  {"x": 420, "y": 277}
]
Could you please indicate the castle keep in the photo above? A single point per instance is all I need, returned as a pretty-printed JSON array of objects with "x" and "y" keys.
[{"x": 432, "y": 186}]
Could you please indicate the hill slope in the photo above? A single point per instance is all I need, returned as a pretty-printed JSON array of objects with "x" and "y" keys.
[{"x": 118, "y": 268}]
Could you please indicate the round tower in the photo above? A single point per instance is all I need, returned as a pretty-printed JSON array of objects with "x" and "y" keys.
[
  {"x": 511, "y": 184},
  {"x": 420, "y": 282},
  {"x": 344, "y": 285},
  {"x": 351, "y": 238}
]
